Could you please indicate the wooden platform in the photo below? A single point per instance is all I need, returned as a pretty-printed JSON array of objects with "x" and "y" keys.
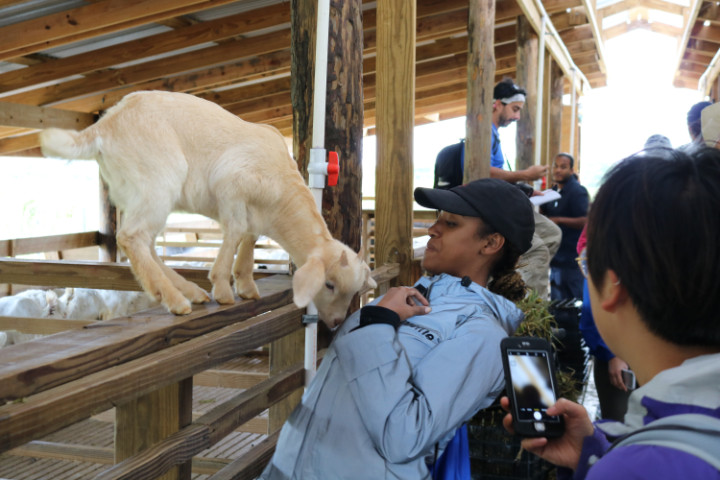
[{"x": 86, "y": 448}]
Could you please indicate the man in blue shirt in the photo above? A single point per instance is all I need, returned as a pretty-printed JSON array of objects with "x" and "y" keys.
[
  {"x": 508, "y": 103},
  {"x": 570, "y": 214},
  {"x": 509, "y": 100}
]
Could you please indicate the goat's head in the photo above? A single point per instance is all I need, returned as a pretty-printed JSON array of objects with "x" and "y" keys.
[{"x": 330, "y": 277}]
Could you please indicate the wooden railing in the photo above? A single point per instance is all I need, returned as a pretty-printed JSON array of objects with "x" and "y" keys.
[{"x": 143, "y": 367}]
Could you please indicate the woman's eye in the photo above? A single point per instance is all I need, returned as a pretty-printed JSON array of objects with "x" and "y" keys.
[{"x": 330, "y": 286}]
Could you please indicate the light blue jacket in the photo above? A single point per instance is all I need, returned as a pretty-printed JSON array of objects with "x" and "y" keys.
[{"x": 382, "y": 400}]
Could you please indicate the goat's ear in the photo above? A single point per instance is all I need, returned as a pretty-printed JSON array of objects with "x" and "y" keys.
[{"x": 307, "y": 281}]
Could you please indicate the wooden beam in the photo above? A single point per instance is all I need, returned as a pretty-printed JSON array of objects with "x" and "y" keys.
[
  {"x": 106, "y": 16},
  {"x": 395, "y": 100},
  {"x": 596, "y": 28},
  {"x": 480, "y": 77},
  {"x": 27, "y": 116},
  {"x": 527, "y": 76},
  {"x": 554, "y": 45},
  {"x": 83, "y": 63},
  {"x": 689, "y": 19}
]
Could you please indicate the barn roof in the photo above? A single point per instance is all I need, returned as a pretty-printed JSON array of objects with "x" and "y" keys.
[{"x": 78, "y": 57}]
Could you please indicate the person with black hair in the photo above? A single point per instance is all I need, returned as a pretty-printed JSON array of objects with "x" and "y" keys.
[
  {"x": 569, "y": 212},
  {"x": 403, "y": 373},
  {"x": 694, "y": 119},
  {"x": 652, "y": 265}
]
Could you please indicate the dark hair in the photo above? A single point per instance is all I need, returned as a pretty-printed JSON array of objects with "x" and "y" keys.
[
  {"x": 506, "y": 88},
  {"x": 505, "y": 279},
  {"x": 656, "y": 222},
  {"x": 569, "y": 157},
  {"x": 694, "y": 117}
]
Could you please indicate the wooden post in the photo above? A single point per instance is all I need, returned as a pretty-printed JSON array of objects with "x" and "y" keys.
[
  {"x": 146, "y": 420},
  {"x": 546, "y": 127},
  {"x": 557, "y": 80},
  {"x": 480, "y": 84},
  {"x": 395, "y": 122},
  {"x": 108, "y": 226},
  {"x": 342, "y": 204},
  {"x": 527, "y": 71}
]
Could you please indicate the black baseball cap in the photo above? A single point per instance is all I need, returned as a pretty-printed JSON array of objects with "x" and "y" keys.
[{"x": 496, "y": 202}]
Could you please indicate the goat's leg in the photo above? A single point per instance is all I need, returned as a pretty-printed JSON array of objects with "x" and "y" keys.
[
  {"x": 136, "y": 244},
  {"x": 220, "y": 272},
  {"x": 189, "y": 289},
  {"x": 243, "y": 268}
]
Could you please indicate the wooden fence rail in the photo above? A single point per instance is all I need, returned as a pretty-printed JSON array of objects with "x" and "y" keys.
[{"x": 51, "y": 383}]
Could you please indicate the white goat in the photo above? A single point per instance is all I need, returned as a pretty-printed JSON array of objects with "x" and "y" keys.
[
  {"x": 33, "y": 304},
  {"x": 161, "y": 151}
]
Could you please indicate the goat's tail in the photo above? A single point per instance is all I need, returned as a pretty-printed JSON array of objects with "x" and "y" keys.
[{"x": 69, "y": 144}]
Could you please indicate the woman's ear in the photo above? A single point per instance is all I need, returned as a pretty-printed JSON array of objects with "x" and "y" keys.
[{"x": 491, "y": 244}]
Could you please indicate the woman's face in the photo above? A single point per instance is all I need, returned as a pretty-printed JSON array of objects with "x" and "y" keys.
[{"x": 454, "y": 245}]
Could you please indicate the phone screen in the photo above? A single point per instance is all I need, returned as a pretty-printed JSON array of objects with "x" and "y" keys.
[{"x": 531, "y": 384}]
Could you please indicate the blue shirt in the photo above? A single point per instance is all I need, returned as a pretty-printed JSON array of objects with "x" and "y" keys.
[{"x": 497, "y": 159}]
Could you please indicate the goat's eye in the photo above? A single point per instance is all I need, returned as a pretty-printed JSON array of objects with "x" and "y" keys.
[{"x": 330, "y": 286}]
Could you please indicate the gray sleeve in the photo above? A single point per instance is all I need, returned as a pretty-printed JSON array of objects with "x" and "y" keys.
[{"x": 407, "y": 412}]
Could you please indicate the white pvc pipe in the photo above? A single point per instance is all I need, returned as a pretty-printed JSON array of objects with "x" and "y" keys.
[
  {"x": 321, "y": 59},
  {"x": 573, "y": 106},
  {"x": 539, "y": 96},
  {"x": 317, "y": 158}
]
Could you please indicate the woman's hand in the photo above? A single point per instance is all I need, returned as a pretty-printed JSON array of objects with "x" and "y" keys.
[
  {"x": 405, "y": 301},
  {"x": 565, "y": 450}
]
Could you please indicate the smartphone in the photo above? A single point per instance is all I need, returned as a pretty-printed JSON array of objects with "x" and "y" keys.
[
  {"x": 628, "y": 378},
  {"x": 531, "y": 386}
]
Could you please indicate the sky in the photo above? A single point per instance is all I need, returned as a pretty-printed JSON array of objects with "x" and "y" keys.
[{"x": 48, "y": 197}]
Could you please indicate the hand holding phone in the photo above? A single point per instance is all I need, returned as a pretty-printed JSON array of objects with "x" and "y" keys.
[
  {"x": 628, "y": 378},
  {"x": 531, "y": 386}
]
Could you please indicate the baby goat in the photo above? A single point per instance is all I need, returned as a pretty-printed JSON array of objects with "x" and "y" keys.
[{"x": 160, "y": 152}]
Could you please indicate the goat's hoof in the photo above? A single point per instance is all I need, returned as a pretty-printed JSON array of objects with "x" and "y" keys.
[
  {"x": 248, "y": 291},
  {"x": 223, "y": 295},
  {"x": 199, "y": 296},
  {"x": 181, "y": 309}
]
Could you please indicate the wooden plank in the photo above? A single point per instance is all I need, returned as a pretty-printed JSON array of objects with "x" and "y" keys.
[
  {"x": 68, "y": 241},
  {"x": 109, "y": 276},
  {"x": 27, "y": 116},
  {"x": 207, "y": 430},
  {"x": 250, "y": 465},
  {"x": 40, "y": 414},
  {"x": 57, "y": 359},
  {"x": 102, "y": 455},
  {"x": 41, "y": 326}
]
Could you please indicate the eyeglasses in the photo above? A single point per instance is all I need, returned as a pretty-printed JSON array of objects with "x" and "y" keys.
[{"x": 582, "y": 263}]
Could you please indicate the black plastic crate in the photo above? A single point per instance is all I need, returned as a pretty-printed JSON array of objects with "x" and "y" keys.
[{"x": 496, "y": 455}]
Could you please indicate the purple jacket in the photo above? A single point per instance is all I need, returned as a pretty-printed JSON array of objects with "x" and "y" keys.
[{"x": 693, "y": 387}]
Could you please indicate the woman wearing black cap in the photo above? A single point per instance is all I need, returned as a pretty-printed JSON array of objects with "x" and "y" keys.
[{"x": 404, "y": 372}]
